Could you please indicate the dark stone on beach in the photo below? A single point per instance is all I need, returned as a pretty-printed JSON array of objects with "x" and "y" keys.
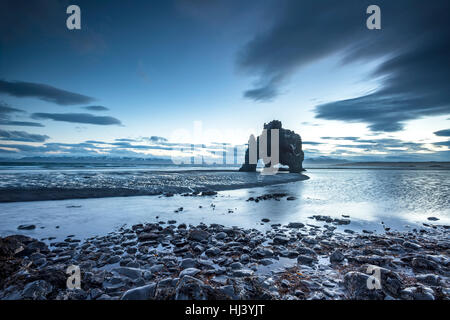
[
  {"x": 337, "y": 257},
  {"x": 26, "y": 227},
  {"x": 433, "y": 219},
  {"x": 242, "y": 273},
  {"x": 37, "y": 290},
  {"x": 189, "y": 272},
  {"x": 411, "y": 245},
  {"x": 291, "y": 198},
  {"x": 221, "y": 236},
  {"x": 417, "y": 293},
  {"x": 132, "y": 273},
  {"x": 147, "y": 236},
  {"x": 198, "y": 235},
  {"x": 113, "y": 259},
  {"x": 266, "y": 261},
  {"x": 306, "y": 251},
  {"x": 188, "y": 263},
  {"x": 213, "y": 251},
  {"x": 190, "y": 288},
  {"x": 430, "y": 279},
  {"x": 265, "y": 220},
  {"x": 236, "y": 265},
  {"x": 304, "y": 259},
  {"x": 280, "y": 240},
  {"x": 422, "y": 263},
  {"x": 146, "y": 292},
  {"x": 356, "y": 284}
]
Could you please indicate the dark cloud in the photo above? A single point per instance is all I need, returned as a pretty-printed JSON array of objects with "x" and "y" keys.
[
  {"x": 126, "y": 140},
  {"x": 42, "y": 91},
  {"x": 20, "y": 123},
  {"x": 412, "y": 47},
  {"x": 340, "y": 138},
  {"x": 126, "y": 145},
  {"x": 157, "y": 139},
  {"x": 96, "y": 108},
  {"x": 5, "y": 117},
  {"x": 96, "y": 142},
  {"x": 443, "y": 143},
  {"x": 313, "y": 143},
  {"x": 78, "y": 118},
  {"x": 22, "y": 136},
  {"x": 7, "y": 109},
  {"x": 443, "y": 133},
  {"x": 3, "y": 151},
  {"x": 264, "y": 93}
]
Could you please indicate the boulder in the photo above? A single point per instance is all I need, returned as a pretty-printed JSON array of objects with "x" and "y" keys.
[
  {"x": 198, "y": 235},
  {"x": 146, "y": 292},
  {"x": 290, "y": 149}
]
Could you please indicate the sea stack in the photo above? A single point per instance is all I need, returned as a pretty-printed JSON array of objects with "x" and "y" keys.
[{"x": 290, "y": 153}]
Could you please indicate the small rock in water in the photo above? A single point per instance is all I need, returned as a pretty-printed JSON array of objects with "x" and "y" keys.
[
  {"x": 208, "y": 193},
  {"x": 26, "y": 227},
  {"x": 433, "y": 218},
  {"x": 295, "y": 225},
  {"x": 265, "y": 220}
]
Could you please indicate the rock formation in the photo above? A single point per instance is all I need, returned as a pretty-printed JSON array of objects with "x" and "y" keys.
[{"x": 290, "y": 153}]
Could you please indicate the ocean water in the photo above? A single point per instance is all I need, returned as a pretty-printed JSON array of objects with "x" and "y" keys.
[{"x": 401, "y": 199}]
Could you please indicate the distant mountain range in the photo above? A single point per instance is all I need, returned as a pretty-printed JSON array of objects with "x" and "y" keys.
[
  {"x": 90, "y": 159},
  {"x": 324, "y": 160}
]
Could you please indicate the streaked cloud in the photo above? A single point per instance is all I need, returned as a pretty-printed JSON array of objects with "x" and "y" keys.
[
  {"x": 22, "y": 136},
  {"x": 43, "y": 92},
  {"x": 96, "y": 108},
  {"x": 443, "y": 133},
  {"x": 6, "y": 111},
  {"x": 78, "y": 118}
]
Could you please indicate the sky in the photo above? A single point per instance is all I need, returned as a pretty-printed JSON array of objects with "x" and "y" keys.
[{"x": 147, "y": 78}]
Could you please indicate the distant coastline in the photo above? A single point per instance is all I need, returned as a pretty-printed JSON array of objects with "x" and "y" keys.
[{"x": 399, "y": 165}]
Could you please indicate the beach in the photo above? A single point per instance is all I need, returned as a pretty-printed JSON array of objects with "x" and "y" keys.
[{"x": 171, "y": 260}]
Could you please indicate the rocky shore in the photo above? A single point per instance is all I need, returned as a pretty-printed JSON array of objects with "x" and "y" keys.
[{"x": 179, "y": 261}]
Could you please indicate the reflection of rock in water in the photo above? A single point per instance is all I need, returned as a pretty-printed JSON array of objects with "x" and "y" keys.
[{"x": 291, "y": 153}]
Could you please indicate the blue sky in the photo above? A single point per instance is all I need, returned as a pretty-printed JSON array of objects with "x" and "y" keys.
[{"x": 160, "y": 67}]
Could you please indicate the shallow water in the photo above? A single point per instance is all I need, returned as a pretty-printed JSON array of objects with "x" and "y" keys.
[
  {"x": 402, "y": 199},
  {"x": 71, "y": 183}
]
